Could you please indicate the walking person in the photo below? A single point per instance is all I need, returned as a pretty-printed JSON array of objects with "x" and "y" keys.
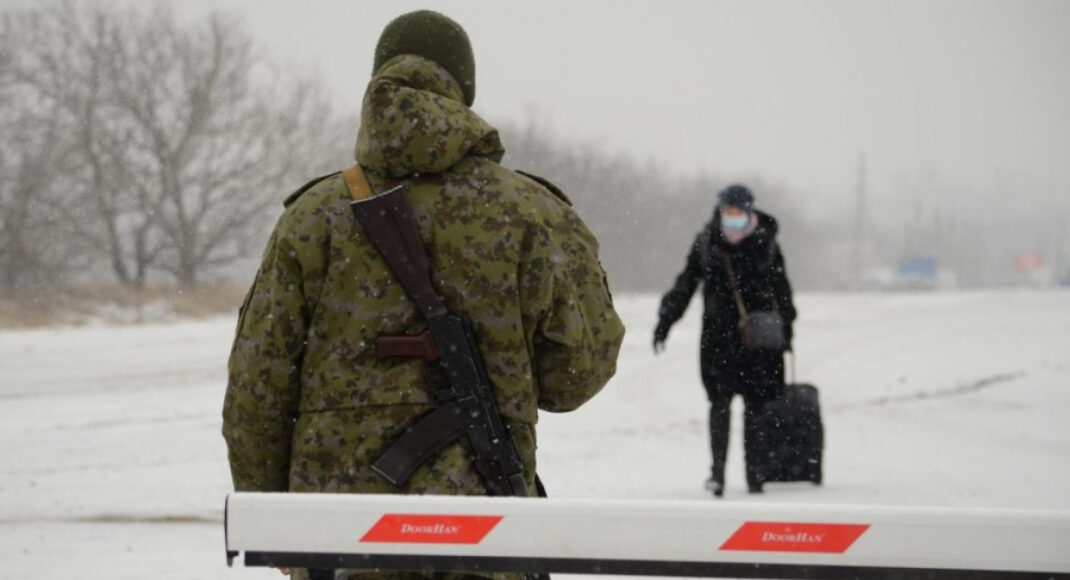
[
  {"x": 333, "y": 362},
  {"x": 738, "y": 262}
]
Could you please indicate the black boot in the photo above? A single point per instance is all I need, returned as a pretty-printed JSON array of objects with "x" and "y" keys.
[
  {"x": 715, "y": 486},
  {"x": 719, "y": 423}
]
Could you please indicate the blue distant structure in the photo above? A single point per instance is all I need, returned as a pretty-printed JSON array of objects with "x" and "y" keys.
[{"x": 918, "y": 272}]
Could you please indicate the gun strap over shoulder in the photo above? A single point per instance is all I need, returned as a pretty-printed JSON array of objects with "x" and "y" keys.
[
  {"x": 357, "y": 183},
  {"x": 468, "y": 406}
]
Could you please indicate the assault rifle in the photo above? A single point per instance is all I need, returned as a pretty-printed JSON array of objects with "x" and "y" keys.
[{"x": 467, "y": 405}]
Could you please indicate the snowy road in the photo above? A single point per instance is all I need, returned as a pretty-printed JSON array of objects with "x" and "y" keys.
[{"x": 115, "y": 468}]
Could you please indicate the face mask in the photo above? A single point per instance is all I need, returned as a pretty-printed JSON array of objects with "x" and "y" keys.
[{"x": 735, "y": 223}]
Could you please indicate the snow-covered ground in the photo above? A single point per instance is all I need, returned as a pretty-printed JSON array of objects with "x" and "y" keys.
[{"x": 113, "y": 466}]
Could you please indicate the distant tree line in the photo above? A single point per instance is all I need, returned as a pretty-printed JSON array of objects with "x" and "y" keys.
[
  {"x": 644, "y": 215},
  {"x": 141, "y": 144},
  {"x": 143, "y": 148}
]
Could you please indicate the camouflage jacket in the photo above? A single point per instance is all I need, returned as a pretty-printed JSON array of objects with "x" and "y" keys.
[{"x": 308, "y": 407}]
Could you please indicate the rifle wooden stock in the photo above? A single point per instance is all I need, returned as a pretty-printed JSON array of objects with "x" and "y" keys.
[{"x": 388, "y": 221}]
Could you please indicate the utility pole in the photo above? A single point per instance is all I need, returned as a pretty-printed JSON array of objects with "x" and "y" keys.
[
  {"x": 860, "y": 218},
  {"x": 1059, "y": 263}
]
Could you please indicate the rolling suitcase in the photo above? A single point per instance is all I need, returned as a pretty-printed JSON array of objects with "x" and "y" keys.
[{"x": 794, "y": 434}]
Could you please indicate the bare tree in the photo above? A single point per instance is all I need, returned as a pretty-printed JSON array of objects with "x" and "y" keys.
[
  {"x": 214, "y": 142},
  {"x": 28, "y": 258},
  {"x": 34, "y": 251},
  {"x": 181, "y": 136}
]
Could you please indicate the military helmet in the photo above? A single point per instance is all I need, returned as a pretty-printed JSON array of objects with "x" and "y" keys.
[{"x": 433, "y": 36}]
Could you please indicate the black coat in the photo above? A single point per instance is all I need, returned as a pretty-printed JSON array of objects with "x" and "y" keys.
[{"x": 728, "y": 365}]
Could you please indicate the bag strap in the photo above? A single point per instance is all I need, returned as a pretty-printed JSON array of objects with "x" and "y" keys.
[
  {"x": 706, "y": 239},
  {"x": 733, "y": 282}
]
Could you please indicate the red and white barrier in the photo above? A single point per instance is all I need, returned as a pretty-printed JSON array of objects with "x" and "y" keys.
[{"x": 670, "y": 538}]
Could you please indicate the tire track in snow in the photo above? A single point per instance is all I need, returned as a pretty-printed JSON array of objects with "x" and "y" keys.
[
  {"x": 120, "y": 519},
  {"x": 966, "y": 389}
]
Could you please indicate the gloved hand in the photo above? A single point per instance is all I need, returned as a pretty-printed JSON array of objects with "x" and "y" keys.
[{"x": 661, "y": 333}]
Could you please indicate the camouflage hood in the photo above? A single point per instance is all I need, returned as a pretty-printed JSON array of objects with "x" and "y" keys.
[{"x": 414, "y": 121}]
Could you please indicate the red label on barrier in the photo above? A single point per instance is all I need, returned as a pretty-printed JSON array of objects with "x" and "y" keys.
[
  {"x": 431, "y": 529},
  {"x": 793, "y": 537}
]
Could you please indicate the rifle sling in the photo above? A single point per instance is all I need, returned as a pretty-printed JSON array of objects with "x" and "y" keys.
[{"x": 357, "y": 183}]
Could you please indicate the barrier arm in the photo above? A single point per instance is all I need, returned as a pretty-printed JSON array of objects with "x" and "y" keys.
[{"x": 663, "y": 538}]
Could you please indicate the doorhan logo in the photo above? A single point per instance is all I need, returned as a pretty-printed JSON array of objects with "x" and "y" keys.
[
  {"x": 794, "y": 537},
  {"x": 430, "y": 529}
]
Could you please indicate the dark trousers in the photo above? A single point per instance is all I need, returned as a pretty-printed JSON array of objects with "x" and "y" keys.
[
  {"x": 758, "y": 384},
  {"x": 754, "y": 444}
]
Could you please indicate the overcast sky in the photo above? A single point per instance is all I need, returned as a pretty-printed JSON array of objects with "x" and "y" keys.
[{"x": 970, "y": 92}]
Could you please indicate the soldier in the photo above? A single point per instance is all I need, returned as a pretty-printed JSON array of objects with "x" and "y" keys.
[{"x": 309, "y": 407}]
